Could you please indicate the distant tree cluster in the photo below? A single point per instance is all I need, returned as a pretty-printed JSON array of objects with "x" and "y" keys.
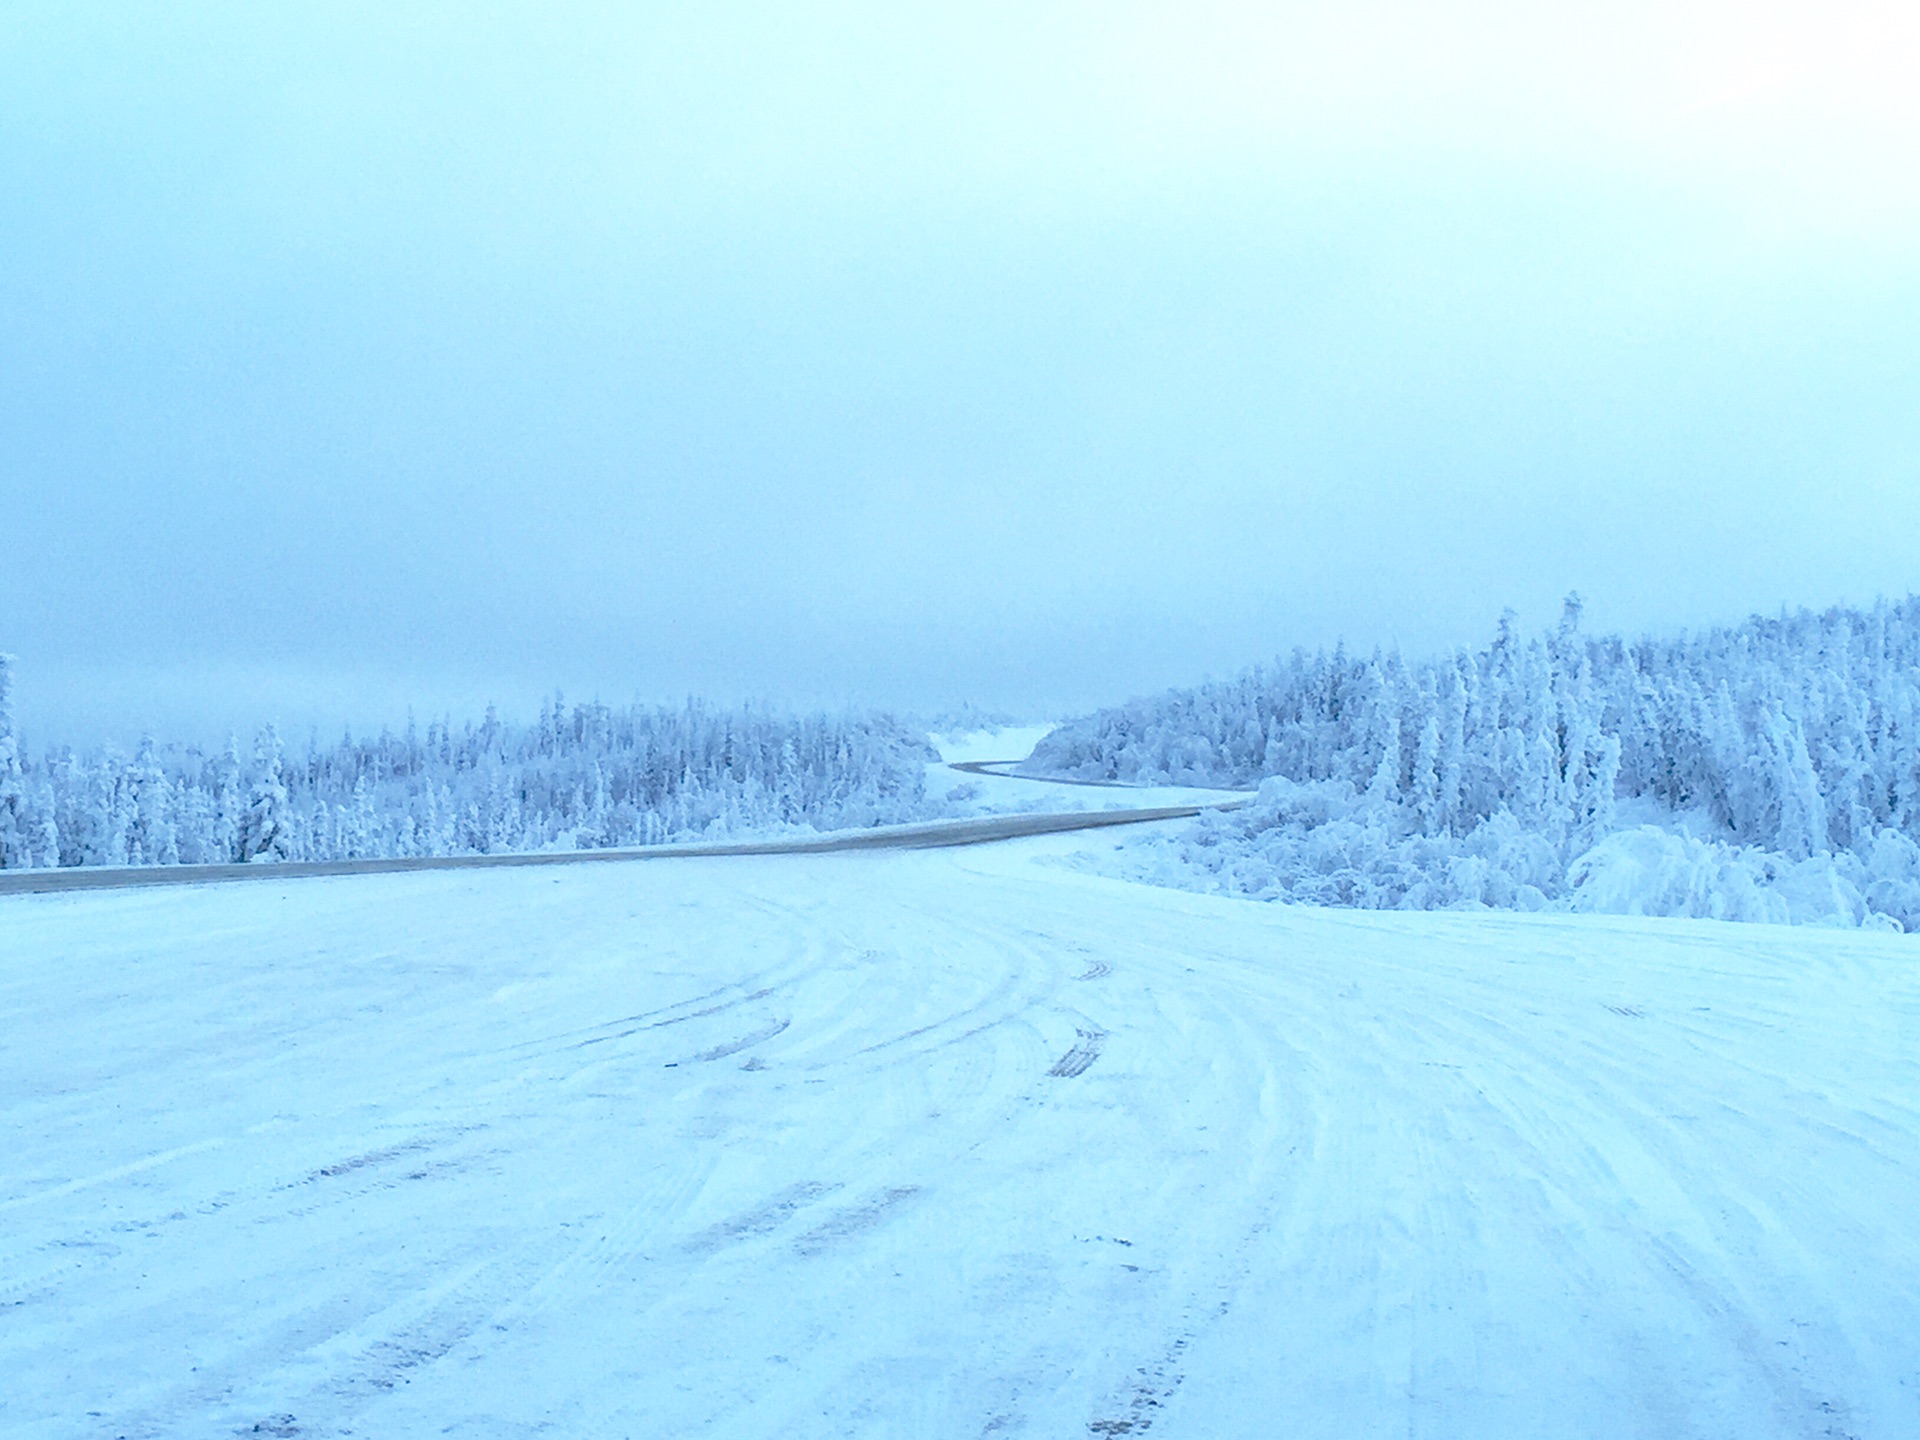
[
  {"x": 1494, "y": 776},
  {"x": 584, "y": 777}
]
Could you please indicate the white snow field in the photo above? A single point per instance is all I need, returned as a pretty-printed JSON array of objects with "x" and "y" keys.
[{"x": 943, "y": 1143}]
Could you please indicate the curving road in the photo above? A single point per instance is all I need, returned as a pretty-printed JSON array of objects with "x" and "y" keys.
[
  {"x": 928, "y": 835},
  {"x": 1003, "y": 770}
]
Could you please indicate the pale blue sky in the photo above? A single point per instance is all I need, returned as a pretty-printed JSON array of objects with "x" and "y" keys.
[{"x": 1035, "y": 355}]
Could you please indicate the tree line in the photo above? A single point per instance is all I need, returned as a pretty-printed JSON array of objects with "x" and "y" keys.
[
  {"x": 1797, "y": 736},
  {"x": 583, "y": 776}
]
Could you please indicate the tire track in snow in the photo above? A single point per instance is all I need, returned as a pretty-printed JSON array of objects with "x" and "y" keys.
[
  {"x": 734, "y": 1047},
  {"x": 760, "y": 1220},
  {"x": 1394, "y": 1170},
  {"x": 855, "y": 1221},
  {"x": 118, "y": 1172},
  {"x": 1080, "y": 1058},
  {"x": 1543, "y": 1131},
  {"x": 634, "y": 1029}
]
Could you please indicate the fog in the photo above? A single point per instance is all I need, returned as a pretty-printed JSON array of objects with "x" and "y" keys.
[{"x": 1027, "y": 357}]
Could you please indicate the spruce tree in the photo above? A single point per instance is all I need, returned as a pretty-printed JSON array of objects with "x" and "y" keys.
[
  {"x": 15, "y": 842},
  {"x": 264, "y": 824}
]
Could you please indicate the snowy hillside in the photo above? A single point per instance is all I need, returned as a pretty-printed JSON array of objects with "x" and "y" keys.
[
  {"x": 942, "y": 1143},
  {"x": 1770, "y": 771}
]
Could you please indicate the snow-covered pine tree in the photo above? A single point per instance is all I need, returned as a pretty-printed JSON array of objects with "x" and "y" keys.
[
  {"x": 16, "y": 838},
  {"x": 263, "y": 828},
  {"x": 153, "y": 838},
  {"x": 229, "y": 810}
]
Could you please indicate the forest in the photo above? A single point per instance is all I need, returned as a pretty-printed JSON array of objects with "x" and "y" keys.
[
  {"x": 587, "y": 776},
  {"x": 1768, "y": 770}
]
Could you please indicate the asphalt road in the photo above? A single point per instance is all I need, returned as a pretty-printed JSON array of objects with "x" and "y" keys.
[{"x": 928, "y": 835}]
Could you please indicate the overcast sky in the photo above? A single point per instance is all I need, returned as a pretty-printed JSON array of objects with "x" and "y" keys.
[{"x": 354, "y": 356}]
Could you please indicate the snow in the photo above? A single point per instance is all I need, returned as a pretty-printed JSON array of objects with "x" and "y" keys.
[
  {"x": 1322, "y": 844},
  {"x": 968, "y": 793},
  {"x": 1788, "y": 748},
  {"x": 1010, "y": 742},
  {"x": 942, "y": 1143},
  {"x": 585, "y": 778},
  {"x": 1650, "y": 871}
]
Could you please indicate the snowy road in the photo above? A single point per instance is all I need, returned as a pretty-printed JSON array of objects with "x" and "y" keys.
[
  {"x": 930, "y": 835},
  {"x": 942, "y": 1143},
  {"x": 1016, "y": 809}
]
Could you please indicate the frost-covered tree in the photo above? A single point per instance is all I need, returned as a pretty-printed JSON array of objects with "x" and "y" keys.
[
  {"x": 265, "y": 823},
  {"x": 1796, "y": 738},
  {"x": 153, "y": 837},
  {"x": 16, "y": 840},
  {"x": 226, "y": 810},
  {"x": 582, "y": 776}
]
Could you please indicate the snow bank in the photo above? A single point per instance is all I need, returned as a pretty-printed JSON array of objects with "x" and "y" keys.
[
  {"x": 1646, "y": 871},
  {"x": 1323, "y": 844}
]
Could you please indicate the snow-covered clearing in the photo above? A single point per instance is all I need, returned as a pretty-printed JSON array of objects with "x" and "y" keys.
[{"x": 943, "y": 1143}]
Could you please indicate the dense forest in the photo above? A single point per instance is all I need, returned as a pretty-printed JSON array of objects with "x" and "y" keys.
[
  {"x": 1767, "y": 770},
  {"x": 581, "y": 777}
]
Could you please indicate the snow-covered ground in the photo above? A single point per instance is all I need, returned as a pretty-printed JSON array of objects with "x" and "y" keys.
[{"x": 943, "y": 1143}]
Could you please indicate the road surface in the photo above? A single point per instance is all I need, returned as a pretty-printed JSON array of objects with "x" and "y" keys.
[
  {"x": 955, "y": 1142},
  {"x": 929, "y": 835}
]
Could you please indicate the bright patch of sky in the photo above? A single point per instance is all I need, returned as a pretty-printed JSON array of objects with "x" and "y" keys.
[{"x": 364, "y": 355}]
